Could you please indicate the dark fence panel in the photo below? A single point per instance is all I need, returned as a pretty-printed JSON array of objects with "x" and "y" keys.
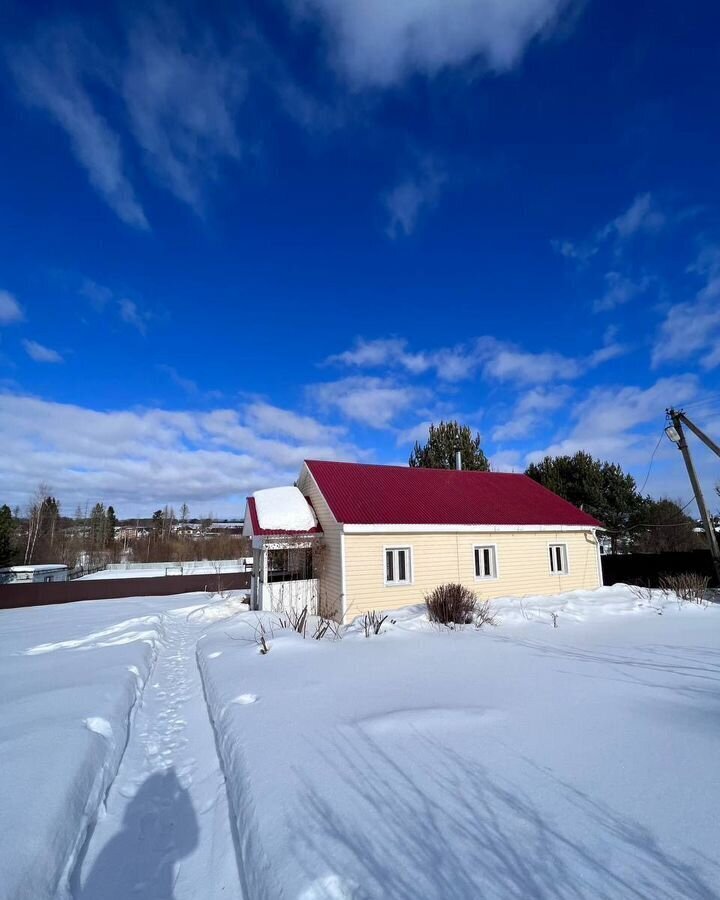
[
  {"x": 13, "y": 596},
  {"x": 647, "y": 568}
]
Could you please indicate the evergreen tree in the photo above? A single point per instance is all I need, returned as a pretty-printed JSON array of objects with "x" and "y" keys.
[
  {"x": 599, "y": 488},
  {"x": 110, "y": 526},
  {"x": 443, "y": 442},
  {"x": 7, "y": 536},
  {"x": 98, "y": 525},
  {"x": 670, "y": 529},
  {"x": 157, "y": 523}
]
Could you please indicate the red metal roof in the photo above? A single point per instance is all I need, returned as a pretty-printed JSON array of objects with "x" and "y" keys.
[
  {"x": 361, "y": 494},
  {"x": 252, "y": 509}
]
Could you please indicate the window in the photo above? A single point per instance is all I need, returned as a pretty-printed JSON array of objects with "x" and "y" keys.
[
  {"x": 486, "y": 562},
  {"x": 398, "y": 565},
  {"x": 558, "y": 559},
  {"x": 289, "y": 564}
]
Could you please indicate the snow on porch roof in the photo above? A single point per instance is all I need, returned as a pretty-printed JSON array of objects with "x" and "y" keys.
[{"x": 282, "y": 510}]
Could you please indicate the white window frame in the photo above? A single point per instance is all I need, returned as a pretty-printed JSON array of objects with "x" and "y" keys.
[
  {"x": 565, "y": 558},
  {"x": 409, "y": 568},
  {"x": 494, "y": 559}
]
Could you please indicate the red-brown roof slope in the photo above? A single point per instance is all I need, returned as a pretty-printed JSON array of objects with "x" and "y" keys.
[
  {"x": 394, "y": 495},
  {"x": 252, "y": 509}
]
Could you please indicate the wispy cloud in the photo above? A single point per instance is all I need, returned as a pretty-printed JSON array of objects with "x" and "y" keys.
[
  {"x": 497, "y": 360},
  {"x": 40, "y": 353},
  {"x": 414, "y": 195},
  {"x": 609, "y": 421},
  {"x": 619, "y": 290},
  {"x": 691, "y": 329},
  {"x": 177, "y": 91},
  {"x": 133, "y": 315},
  {"x": 189, "y": 386},
  {"x": 376, "y": 44},
  {"x": 10, "y": 310},
  {"x": 642, "y": 216},
  {"x": 53, "y": 74},
  {"x": 182, "y": 95}
]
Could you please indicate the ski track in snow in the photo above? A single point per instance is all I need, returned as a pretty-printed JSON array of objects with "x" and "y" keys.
[{"x": 165, "y": 832}]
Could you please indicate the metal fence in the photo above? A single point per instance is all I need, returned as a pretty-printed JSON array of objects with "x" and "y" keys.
[{"x": 14, "y": 596}]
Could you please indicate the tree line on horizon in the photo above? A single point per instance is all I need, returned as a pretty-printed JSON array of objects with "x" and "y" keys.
[{"x": 89, "y": 537}]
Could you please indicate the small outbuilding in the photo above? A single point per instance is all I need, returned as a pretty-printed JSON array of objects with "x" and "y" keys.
[{"x": 35, "y": 574}]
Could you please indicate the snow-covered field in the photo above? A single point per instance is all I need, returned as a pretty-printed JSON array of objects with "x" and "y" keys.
[
  {"x": 517, "y": 761},
  {"x": 160, "y": 569}
]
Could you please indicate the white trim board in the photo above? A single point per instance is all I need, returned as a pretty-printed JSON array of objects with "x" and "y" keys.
[{"x": 476, "y": 529}]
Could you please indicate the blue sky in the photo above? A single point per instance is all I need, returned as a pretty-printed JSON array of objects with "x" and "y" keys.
[{"x": 238, "y": 235}]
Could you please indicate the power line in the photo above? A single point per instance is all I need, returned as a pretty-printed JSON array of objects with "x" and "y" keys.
[{"x": 662, "y": 434}]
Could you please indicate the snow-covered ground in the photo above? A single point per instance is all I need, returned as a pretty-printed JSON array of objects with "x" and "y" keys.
[
  {"x": 71, "y": 677},
  {"x": 521, "y": 761},
  {"x": 168, "y": 568}
]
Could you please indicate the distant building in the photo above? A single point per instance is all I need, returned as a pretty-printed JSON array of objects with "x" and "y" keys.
[{"x": 38, "y": 574}]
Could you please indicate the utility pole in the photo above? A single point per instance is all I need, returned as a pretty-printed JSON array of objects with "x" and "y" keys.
[{"x": 677, "y": 436}]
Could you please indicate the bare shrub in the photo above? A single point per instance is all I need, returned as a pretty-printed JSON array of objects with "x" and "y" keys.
[
  {"x": 555, "y": 617},
  {"x": 689, "y": 586},
  {"x": 327, "y": 628},
  {"x": 294, "y": 619},
  {"x": 642, "y": 591},
  {"x": 373, "y": 621},
  {"x": 258, "y": 635},
  {"x": 483, "y": 615},
  {"x": 451, "y": 604}
]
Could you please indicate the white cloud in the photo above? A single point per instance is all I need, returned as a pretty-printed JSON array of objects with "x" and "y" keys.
[
  {"x": 623, "y": 423},
  {"x": 40, "y": 353},
  {"x": 179, "y": 94},
  {"x": 415, "y": 433},
  {"x": 619, "y": 289},
  {"x": 140, "y": 460},
  {"x": 507, "y": 461},
  {"x": 182, "y": 96},
  {"x": 504, "y": 363},
  {"x": 530, "y": 410},
  {"x": 131, "y": 314},
  {"x": 448, "y": 363},
  {"x": 415, "y": 194},
  {"x": 375, "y": 402},
  {"x": 611, "y": 421},
  {"x": 10, "y": 309},
  {"x": 97, "y": 294},
  {"x": 272, "y": 420},
  {"x": 377, "y": 44},
  {"x": 498, "y": 360},
  {"x": 642, "y": 216},
  {"x": 691, "y": 330},
  {"x": 185, "y": 384},
  {"x": 49, "y": 76}
]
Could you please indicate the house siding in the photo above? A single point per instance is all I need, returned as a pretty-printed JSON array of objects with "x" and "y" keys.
[
  {"x": 330, "y": 582},
  {"x": 442, "y": 557}
]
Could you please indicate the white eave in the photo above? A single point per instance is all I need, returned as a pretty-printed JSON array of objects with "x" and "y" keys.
[{"x": 485, "y": 529}]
